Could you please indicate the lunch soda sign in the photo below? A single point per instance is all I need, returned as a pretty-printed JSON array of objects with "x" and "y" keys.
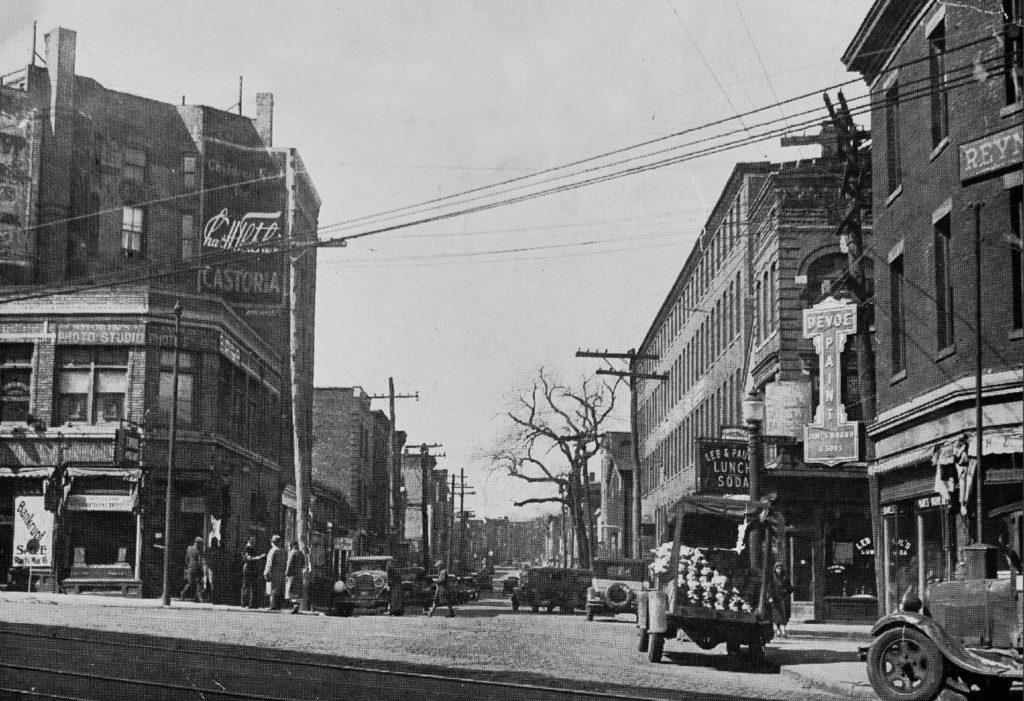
[
  {"x": 830, "y": 438},
  {"x": 33, "y": 533},
  {"x": 723, "y": 466}
]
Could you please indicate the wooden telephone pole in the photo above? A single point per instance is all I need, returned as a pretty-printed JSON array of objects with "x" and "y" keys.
[
  {"x": 462, "y": 518},
  {"x": 426, "y": 497},
  {"x": 634, "y": 375},
  {"x": 394, "y": 467}
]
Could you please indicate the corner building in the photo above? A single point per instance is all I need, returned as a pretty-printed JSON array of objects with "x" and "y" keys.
[
  {"x": 946, "y": 90},
  {"x": 117, "y": 208}
]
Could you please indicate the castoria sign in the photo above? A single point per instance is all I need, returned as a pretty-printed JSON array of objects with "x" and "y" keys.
[
  {"x": 244, "y": 209},
  {"x": 830, "y": 438}
]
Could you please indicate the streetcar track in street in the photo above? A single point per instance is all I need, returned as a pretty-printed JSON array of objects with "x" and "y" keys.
[{"x": 333, "y": 667}]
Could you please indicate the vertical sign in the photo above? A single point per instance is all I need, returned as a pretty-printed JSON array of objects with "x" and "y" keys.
[
  {"x": 830, "y": 439},
  {"x": 33, "y": 532},
  {"x": 244, "y": 219}
]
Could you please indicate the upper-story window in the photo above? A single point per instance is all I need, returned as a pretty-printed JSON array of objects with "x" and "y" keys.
[
  {"x": 188, "y": 171},
  {"x": 188, "y": 366},
  {"x": 91, "y": 384},
  {"x": 15, "y": 380},
  {"x": 1016, "y": 215},
  {"x": 188, "y": 236},
  {"x": 897, "y": 314},
  {"x": 893, "y": 157},
  {"x": 943, "y": 284},
  {"x": 134, "y": 165},
  {"x": 937, "y": 83},
  {"x": 1013, "y": 47},
  {"x": 133, "y": 224}
]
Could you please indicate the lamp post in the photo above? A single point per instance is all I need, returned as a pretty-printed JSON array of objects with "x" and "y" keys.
[
  {"x": 171, "y": 439},
  {"x": 753, "y": 415}
]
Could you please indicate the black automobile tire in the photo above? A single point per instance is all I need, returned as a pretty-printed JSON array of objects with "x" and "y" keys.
[
  {"x": 732, "y": 649},
  {"x": 567, "y": 608},
  {"x": 535, "y": 607},
  {"x": 551, "y": 608},
  {"x": 905, "y": 665},
  {"x": 590, "y": 614},
  {"x": 755, "y": 651},
  {"x": 645, "y": 641},
  {"x": 656, "y": 647},
  {"x": 515, "y": 603},
  {"x": 994, "y": 688}
]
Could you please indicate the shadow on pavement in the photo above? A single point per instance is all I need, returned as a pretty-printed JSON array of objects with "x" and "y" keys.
[{"x": 774, "y": 659}]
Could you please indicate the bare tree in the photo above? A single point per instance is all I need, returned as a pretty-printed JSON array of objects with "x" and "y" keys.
[{"x": 554, "y": 431}]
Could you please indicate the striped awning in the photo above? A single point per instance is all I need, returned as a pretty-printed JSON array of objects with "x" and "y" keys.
[{"x": 26, "y": 472}]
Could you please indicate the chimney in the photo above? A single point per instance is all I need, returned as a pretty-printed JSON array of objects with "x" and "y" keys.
[
  {"x": 265, "y": 117},
  {"x": 60, "y": 64}
]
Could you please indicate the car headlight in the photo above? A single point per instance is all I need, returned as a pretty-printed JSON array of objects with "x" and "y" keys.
[
  {"x": 379, "y": 581},
  {"x": 350, "y": 583}
]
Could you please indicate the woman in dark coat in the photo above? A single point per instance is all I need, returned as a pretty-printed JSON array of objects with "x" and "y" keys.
[{"x": 779, "y": 602}]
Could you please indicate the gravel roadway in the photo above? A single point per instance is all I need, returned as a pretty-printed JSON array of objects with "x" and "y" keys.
[{"x": 485, "y": 637}]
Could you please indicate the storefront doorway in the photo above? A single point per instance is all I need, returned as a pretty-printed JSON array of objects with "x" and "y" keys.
[{"x": 801, "y": 567}]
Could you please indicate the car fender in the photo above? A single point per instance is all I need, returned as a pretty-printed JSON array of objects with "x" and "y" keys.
[
  {"x": 657, "y": 614},
  {"x": 952, "y": 649},
  {"x": 641, "y": 611}
]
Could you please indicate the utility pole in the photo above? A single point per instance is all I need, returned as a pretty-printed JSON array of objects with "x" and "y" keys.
[
  {"x": 451, "y": 527},
  {"x": 634, "y": 375},
  {"x": 462, "y": 519},
  {"x": 303, "y": 472},
  {"x": 394, "y": 467},
  {"x": 426, "y": 497},
  {"x": 171, "y": 441}
]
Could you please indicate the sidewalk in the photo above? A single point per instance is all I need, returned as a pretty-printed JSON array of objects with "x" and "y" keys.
[{"x": 814, "y": 656}]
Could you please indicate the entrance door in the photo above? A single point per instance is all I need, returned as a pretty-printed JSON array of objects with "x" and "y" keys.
[{"x": 802, "y": 569}]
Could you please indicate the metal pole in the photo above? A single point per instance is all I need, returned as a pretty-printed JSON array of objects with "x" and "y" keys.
[
  {"x": 979, "y": 429},
  {"x": 637, "y": 480},
  {"x": 392, "y": 478},
  {"x": 754, "y": 473},
  {"x": 171, "y": 439},
  {"x": 427, "y": 493}
]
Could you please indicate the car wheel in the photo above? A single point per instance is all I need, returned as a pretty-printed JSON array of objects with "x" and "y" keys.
[
  {"x": 535, "y": 607},
  {"x": 645, "y": 640},
  {"x": 732, "y": 649},
  {"x": 590, "y": 614},
  {"x": 905, "y": 665},
  {"x": 656, "y": 647},
  {"x": 551, "y": 608},
  {"x": 515, "y": 604}
]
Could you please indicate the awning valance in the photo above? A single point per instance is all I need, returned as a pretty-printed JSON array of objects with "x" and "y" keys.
[
  {"x": 26, "y": 472},
  {"x": 127, "y": 474}
]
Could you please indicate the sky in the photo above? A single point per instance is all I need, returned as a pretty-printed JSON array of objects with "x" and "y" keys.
[{"x": 394, "y": 104}]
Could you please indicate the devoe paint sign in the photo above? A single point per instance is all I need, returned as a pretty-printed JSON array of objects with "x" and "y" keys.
[
  {"x": 830, "y": 438},
  {"x": 243, "y": 224},
  {"x": 723, "y": 466},
  {"x": 33, "y": 532}
]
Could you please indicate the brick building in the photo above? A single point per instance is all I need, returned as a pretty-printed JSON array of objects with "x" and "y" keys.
[
  {"x": 731, "y": 326},
  {"x": 115, "y": 209},
  {"x": 946, "y": 105}
]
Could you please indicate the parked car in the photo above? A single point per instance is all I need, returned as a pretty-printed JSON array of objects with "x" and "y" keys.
[
  {"x": 366, "y": 585},
  {"x": 964, "y": 634},
  {"x": 485, "y": 582},
  {"x": 465, "y": 589},
  {"x": 417, "y": 587},
  {"x": 510, "y": 584},
  {"x": 615, "y": 586},
  {"x": 549, "y": 588}
]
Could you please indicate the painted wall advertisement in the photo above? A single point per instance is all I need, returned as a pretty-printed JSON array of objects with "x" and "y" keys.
[
  {"x": 17, "y": 243},
  {"x": 722, "y": 466},
  {"x": 33, "y": 532},
  {"x": 244, "y": 218},
  {"x": 787, "y": 409}
]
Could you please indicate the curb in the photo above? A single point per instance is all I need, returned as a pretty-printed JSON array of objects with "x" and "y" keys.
[
  {"x": 850, "y": 635},
  {"x": 823, "y": 682}
]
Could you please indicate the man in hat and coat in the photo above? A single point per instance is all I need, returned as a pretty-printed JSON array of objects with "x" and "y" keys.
[
  {"x": 195, "y": 570},
  {"x": 273, "y": 572}
]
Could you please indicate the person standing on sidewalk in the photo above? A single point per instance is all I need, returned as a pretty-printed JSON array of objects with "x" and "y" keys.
[
  {"x": 274, "y": 572},
  {"x": 779, "y": 599},
  {"x": 251, "y": 570},
  {"x": 294, "y": 574},
  {"x": 442, "y": 595},
  {"x": 195, "y": 570}
]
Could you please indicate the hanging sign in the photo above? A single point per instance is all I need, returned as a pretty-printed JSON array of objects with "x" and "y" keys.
[
  {"x": 722, "y": 466},
  {"x": 830, "y": 438},
  {"x": 33, "y": 532}
]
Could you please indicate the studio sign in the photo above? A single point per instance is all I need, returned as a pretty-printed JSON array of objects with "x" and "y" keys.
[{"x": 250, "y": 232}]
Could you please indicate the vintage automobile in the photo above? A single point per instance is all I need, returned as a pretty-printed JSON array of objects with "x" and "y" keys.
[
  {"x": 485, "y": 581},
  {"x": 509, "y": 585},
  {"x": 366, "y": 586},
  {"x": 614, "y": 586},
  {"x": 548, "y": 588},
  {"x": 964, "y": 634},
  {"x": 417, "y": 587}
]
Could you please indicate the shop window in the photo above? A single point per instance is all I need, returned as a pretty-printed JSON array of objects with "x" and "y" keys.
[
  {"x": 91, "y": 384},
  {"x": 893, "y": 157},
  {"x": 1016, "y": 216},
  {"x": 132, "y": 231},
  {"x": 936, "y": 557},
  {"x": 937, "y": 82},
  {"x": 900, "y": 554},
  {"x": 134, "y": 168},
  {"x": 15, "y": 381},
  {"x": 943, "y": 284},
  {"x": 1013, "y": 46},
  {"x": 188, "y": 366}
]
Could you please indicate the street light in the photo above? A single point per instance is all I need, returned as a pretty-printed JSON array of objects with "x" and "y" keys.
[{"x": 753, "y": 415}]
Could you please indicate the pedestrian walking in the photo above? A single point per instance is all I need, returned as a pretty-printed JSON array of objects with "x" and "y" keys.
[
  {"x": 295, "y": 575},
  {"x": 779, "y": 600},
  {"x": 195, "y": 570},
  {"x": 252, "y": 567},
  {"x": 396, "y": 607},
  {"x": 274, "y": 572},
  {"x": 442, "y": 592}
]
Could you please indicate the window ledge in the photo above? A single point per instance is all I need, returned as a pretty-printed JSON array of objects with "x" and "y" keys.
[
  {"x": 1011, "y": 110},
  {"x": 898, "y": 377},
  {"x": 939, "y": 149},
  {"x": 1016, "y": 334},
  {"x": 893, "y": 195},
  {"x": 945, "y": 352}
]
